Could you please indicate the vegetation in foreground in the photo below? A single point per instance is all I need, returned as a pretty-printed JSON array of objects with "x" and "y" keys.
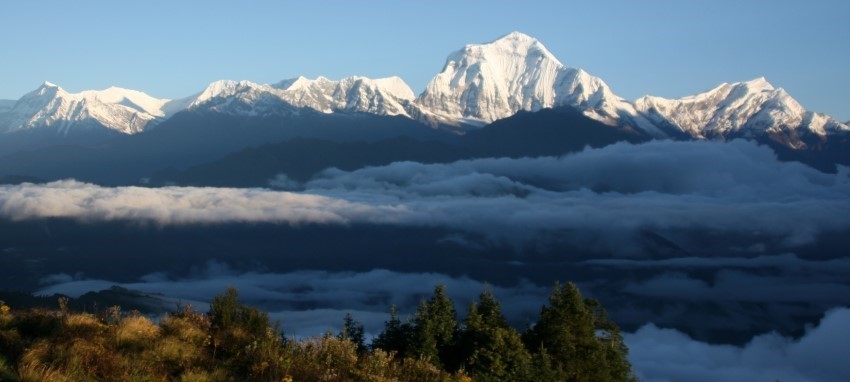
[{"x": 573, "y": 340}]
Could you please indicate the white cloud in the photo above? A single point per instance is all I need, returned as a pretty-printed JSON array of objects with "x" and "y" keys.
[
  {"x": 661, "y": 355},
  {"x": 181, "y": 205},
  {"x": 617, "y": 190}
]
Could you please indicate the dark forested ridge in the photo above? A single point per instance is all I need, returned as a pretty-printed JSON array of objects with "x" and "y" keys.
[
  {"x": 218, "y": 150},
  {"x": 573, "y": 340},
  {"x": 548, "y": 132}
]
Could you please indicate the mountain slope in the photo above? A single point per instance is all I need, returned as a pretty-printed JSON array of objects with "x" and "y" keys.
[
  {"x": 194, "y": 137},
  {"x": 547, "y": 132}
]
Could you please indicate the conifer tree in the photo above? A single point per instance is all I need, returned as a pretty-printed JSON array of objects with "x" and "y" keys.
[
  {"x": 353, "y": 331},
  {"x": 576, "y": 341},
  {"x": 395, "y": 337},
  {"x": 434, "y": 329},
  {"x": 490, "y": 348}
]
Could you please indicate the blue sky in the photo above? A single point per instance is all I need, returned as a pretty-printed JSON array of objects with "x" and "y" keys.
[{"x": 661, "y": 47}]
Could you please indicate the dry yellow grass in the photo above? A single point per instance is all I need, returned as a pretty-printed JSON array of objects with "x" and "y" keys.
[
  {"x": 136, "y": 331},
  {"x": 184, "y": 329}
]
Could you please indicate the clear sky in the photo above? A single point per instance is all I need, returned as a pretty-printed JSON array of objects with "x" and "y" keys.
[{"x": 669, "y": 48}]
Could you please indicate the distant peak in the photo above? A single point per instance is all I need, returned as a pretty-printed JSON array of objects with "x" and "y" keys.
[
  {"x": 300, "y": 82},
  {"x": 514, "y": 43},
  {"x": 46, "y": 89},
  {"x": 516, "y": 36},
  {"x": 516, "y": 39},
  {"x": 222, "y": 83},
  {"x": 760, "y": 83}
]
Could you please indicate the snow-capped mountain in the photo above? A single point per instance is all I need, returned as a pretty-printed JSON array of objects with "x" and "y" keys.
[
  {"x": 240, "y": 98},
  {"x": 49, "y": 106},
  {"x": 744, "y": 109},
  {"x": 486, "y": 82},
  {"x": 383, "y": 96},
  {"x": 479, "y": 84}
]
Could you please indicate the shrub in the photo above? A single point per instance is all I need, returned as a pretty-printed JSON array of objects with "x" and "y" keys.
[{"x": 324, "y": 359}]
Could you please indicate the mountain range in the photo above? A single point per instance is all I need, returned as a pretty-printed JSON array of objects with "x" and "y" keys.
[{"x": 478, "y": 85}]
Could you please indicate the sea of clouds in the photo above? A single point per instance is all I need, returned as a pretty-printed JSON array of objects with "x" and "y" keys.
[
  {"x": 609, "y": 195},
  {"x": 614, "y": 191}
]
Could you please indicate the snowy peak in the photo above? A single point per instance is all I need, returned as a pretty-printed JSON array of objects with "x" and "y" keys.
[
  {"x": 242, "y": 98},
  {"x": 493, "y": 80},
  {"x": 384, "y": 96},
  {"x": 486, "y": 82},
  {"x": 743, "y": 109},
  {"x": 133, "y": 99},
  {"x": 226, "y": 89},
  {"x": 514, "y": 44},
  {"x": 395, "y": 87},
  {"x": 50, "y": 106}
]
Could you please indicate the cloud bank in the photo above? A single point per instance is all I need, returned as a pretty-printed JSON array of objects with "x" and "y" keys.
[
  {"x": 617, "y": 190},
  {"x": 310, "y": 302}
]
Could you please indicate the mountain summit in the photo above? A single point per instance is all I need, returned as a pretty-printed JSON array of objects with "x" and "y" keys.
[
  {"x": 495, "y": 80},
  {"x": 116, "y": 109},
  {"x": 740, "y": 110},
  {"x": 491, "y": 81}
]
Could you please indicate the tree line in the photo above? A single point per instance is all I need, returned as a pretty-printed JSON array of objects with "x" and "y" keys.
[{"x": 572, "y": 340}]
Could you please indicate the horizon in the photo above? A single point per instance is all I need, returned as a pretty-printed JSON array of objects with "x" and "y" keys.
[{"x": 264, "y": 46}]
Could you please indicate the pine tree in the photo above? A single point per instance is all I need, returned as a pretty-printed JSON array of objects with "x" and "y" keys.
[
  {"x": 395, "y": 337},
  {"x": 353, "y": 331},
  {"x": 434, "y": 329},
  {"x": 491, "y": 349},
  {"x": 576, "y": 341}
]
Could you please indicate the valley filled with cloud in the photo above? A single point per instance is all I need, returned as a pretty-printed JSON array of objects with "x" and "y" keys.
[{"x": 716, "y": 248}]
